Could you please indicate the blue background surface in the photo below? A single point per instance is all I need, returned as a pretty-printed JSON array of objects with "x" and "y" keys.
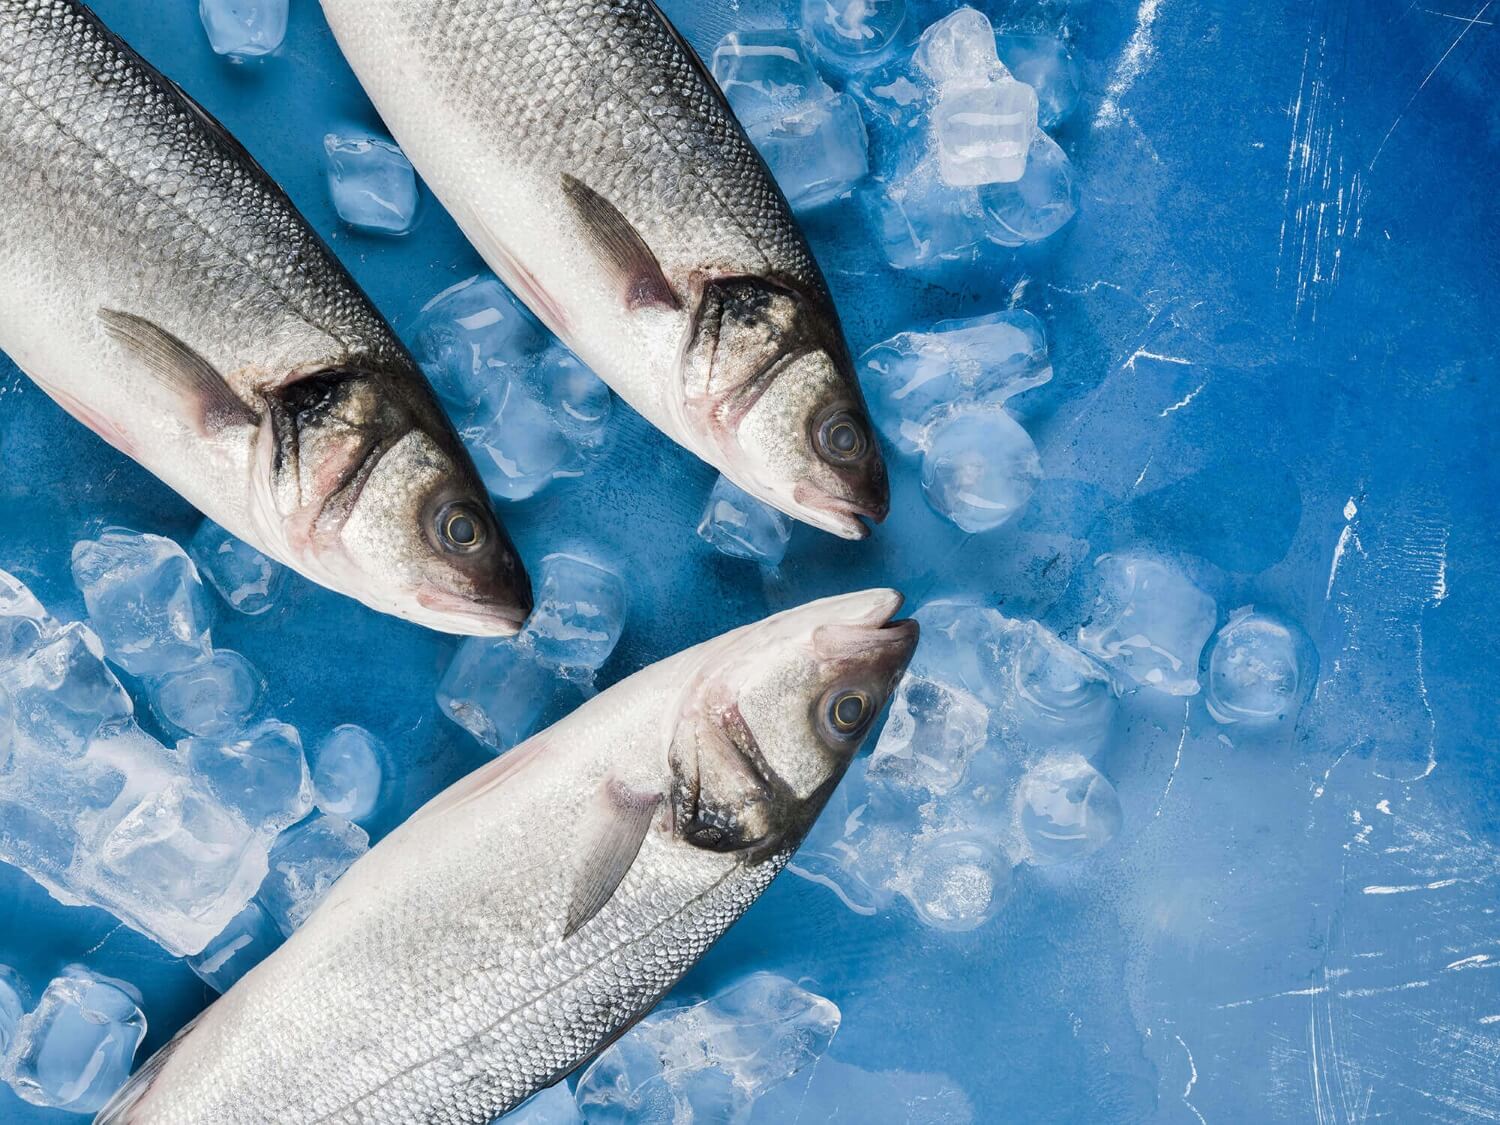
[{"x": 1278, "y": 298}]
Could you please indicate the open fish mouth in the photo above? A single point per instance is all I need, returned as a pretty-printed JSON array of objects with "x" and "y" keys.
[
  {"x": 841, "y": 516},
  {"x": 451, "y": 613}
]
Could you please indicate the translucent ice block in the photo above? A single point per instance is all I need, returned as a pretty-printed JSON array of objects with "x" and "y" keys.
[
  {"x": 1258, "y": 669},
  {"x": 244, "y": 29},
  {"x": 348, "y": 769},
  {"x": 248, "y": 940},
  {"x": 580, "y": 613},
  {"x": 979, "y": 468},
  {"x": 305, "y": 863},
  {"x": 247, "y": 580},
  {"x": 1039, "y": 204},
  {"x": 372, "y": 183},
  {"x": 933, "y": 732},
  {"x": 472, "y": 336},
  {"x": 1149, "y": 622},
  {"x": 261, "y": 774},
  {"x": 850, "y": 34},
  {"x": 215, "y": 697},
  {"x": 738, "y": 524},
  {"x": 1067, "y": 809}
]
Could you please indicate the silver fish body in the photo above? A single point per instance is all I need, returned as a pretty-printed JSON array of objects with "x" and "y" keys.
[
  {"x": 539, "y": 907},
  {"x": 158, "y": 285},
  {"x": 593, "y": 162}
]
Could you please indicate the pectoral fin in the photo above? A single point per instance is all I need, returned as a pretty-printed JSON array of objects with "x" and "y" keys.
[
  {"x": 622, "y": 831},
  {"x": 212, "y": 402},
  {"x": 622, "y": 248}
]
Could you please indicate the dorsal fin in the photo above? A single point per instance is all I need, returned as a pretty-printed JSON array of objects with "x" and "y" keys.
[
  {"x": 121, "y": 1107},
  {"x": 621, "y": 832},
  {"x": 620, "y": 245}
]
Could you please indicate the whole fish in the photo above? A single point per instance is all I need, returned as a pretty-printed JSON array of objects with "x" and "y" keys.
[
  {"x": 593, "y": 162},
  {"x": 163, "y": 290},
  {"x": 535, "y": 910}
]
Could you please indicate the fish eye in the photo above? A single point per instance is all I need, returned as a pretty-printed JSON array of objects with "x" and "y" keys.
[
  {"x": 847, "y": 711},
  {"x": 461, "y": 528},
  {"x": 842, "y": 438}
]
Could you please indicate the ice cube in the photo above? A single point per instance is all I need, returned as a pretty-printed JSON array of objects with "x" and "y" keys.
[
  {"x": 553, "y": 1106},
  {"x": 579, "y": 400},
  {"x": 1044, "y": 64},
  {"x": 850, "y": 34},
  {"x": 817, "y": 153},
  {"x": 24, "y": 623},
  {"x": 215, "y": 697},
  {"x": 347, "y": 772},
  {"x": 305, "y": 862},
  {"x": 933, "y": 732},
  {"x": 1149, "y": 622},
  {"x": 982, "y": 134},
  {"x": 14, "y": 997},
  {"x": 64, "y": 694},
  {"x": 248, "y": 940},
  {"x": 372, "y": 183},
  {"x": 261, "y": 774},
  {"x": 709, "y": 1061},
  {"x": 1067, "y": 809},
  {"x": 244, "y": 29},
  {"x": 739, "y": 525},
  {"x": 895, "y": 98},
  {"x": 75, "y": 1050},
  {"x": 499, "y": 692},
  {"x": 765, "y": 74},
  {"x": 835, "y": 1092},
  {"x": 924, "y": 223},
  {"x": 860, "y": 842},
  {"x": 517, "y": 444},
  {"x": 145, "y": 600},
  {"x": 580, "y": 613},
  {"x": 955, "y": 881},
  {"x": 979, "y": 468},
  {"x": 1039, "y": 204},
  {"x": 911, "y": 377},
  {"x": 960, "y": 49},
  {"x": 473, "y": 336},
  {"x": 247, "y": 580},
  {"x": 1256, "y": 669}
]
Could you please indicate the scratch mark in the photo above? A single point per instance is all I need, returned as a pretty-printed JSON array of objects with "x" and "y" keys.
[
  {"x": 1489, "y": 1019},
  {"x": 1138, "y": 55},
  {"x": 1347, "y": 536},
  {"x": 1478, "y": 960},
  {"x": 1469, "y": 24},
  {"x": 1318, "y": 792},
  {"x": 104, "y": 939},
  {"x": 1356, "y": 993},
  {"x": 1144, "y": 469},
  {"x": 1192, "y": 1080},
  {"x": 1314, "y": 990},
  {"x": 1435, "y": 885},
  {"x": 1192, "y": 394},
  {"x": 1171, "y": 777}
]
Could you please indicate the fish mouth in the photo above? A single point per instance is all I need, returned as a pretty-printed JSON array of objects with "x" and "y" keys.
[
  {"x": 450, "y": 613},
  {"x": 843, "y": 517}
]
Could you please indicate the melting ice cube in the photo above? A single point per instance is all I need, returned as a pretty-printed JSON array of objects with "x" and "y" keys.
[
  {"x": 14, "y": 997},
  {"x": 1149, "y": 622},
  {"x": 983, "y": 133},
  {"x": 246, "y": 579},
  {"x": 63, "y": 694},
  {"x": 739, "y": 525},
  {"x": 244, "y": 29},
  {"x": 372, "y": 183},
  {"x": 305, "y": 862},
  {"x": 553, "y": 1106},
  {"x": 979, "y": 468},
  {"x": 260, "y": 774},
  {"x": 24, "y": 623},
  {"x": 1256, "y": 669},
  {"x": 75, "y": 1050},
  {"x": 853, "y": 33},
  {"x": 1039, "y": 204},
  {"x": 216, "y": 696},
  {"x": 1067, "y": 809},
  {"x": 765, "y": 74},
  {"x": 347, "y": 772},
  {"x": 960, "y": 49},
  {"x": 579, "y": 400},
  {"x": 955, "y": 881},
  {"x": 1044, "y": 64},
  {"x": 933, "y": 732},
  {"x": 924, "y": 223},
  {"x": 500, "y": 693},
  {"x": 472, "y": 336},
  {"x": 248, "y": 940},
  {"x": 580, "y": 613},
  {"x": 145, "y": 600},
  {"x": 517, "y": 443}
]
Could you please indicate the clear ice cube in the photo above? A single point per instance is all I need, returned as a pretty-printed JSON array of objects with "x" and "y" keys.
[
  {"x": 924, "y": 223},
  {"x": 765, "y": 74},
  {"x": 247, "y": 580},
  {"x": 933, "y": 732},
  {"x": 743, "y": 527},
  {"x": 553, "y": 1106},
  {"x": 1149, "y": 622},
  {"x": 24, "y": 622},
  {"x": 960, "y": 49},
  {"x": 580, "y": 402},
  {"x": 914, "y": 376},
  {"x": 244, "y": 29},
  {"x": 982, "y": 134},
  {"x": 473, "y": 336},
  {"x": 248, "y": 940},
  {"x": 580, "y": 613},
  {"x": 14, "y": 998},
  {"x": 955, "y": 881},
  {"x": 145, "y": 600},
  {"x": 979, "y": 468},
  {"x": 215, "y": 697},
  {"x": 348, "y": 769},
  {"x": 817, "y": 153},
  {"x": 373, "y": 186},
  {"x": 1043, "y": 63},
  {"x": 499, "y": 692},
  {"x": 1256, "y": 669},
  {"x": 1039, "y": 204},
  {"x": 63, "y": 694},
  {"x": 261, "y": 774},
  {"x": 75, "y": 1050},
  {"x": 516, "y": 442},
  {"x": 1067, "y": 809},
  {"x": 851, "y": 33},
  {"x": 305, "y": 862}
]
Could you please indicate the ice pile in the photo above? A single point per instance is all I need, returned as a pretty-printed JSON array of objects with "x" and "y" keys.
[
  {"x": 373, "y": 186},
  {"x": 75, "y": 1049},
  {"x": 737, "y": 524},
  {"x": 853, "y": 35},
  {"x": 348, "y": 770},
  {"x": 305, "y": 863},
  {"x": 244, "y": 29},
  {"x": 528, "y": 410},
  {"x": 812, "y": 137},
  {"x": 248, "y": 582},
  {"x": 1149, "y": 622},
  {"x": 504, "y": 691},
  {"x": 709, "y": 1061}
]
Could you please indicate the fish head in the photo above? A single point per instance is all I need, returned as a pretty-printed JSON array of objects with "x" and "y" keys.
[
  {"x": 771, "y": 370},
  {"x": 771, "y": 731},
  {"x": 399, "y": 517}
]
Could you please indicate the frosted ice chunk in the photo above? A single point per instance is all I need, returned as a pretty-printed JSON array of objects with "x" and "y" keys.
[
  {"x": 933, "y": 732},
  {"x": 579, "y": 400},
  {"x": 982, "y": 134},
  {"x": 472, "y": 337},
  {"x": 913, "y": 376},
  {"x": 64, "y": 694},
  {"x": 709, "y": 1061},
  {"x": 924, "y": 223},
  {"x": 248, "y": 940},
  {"x": 955, "y": 881},
  {"x": 852, "y": 33},
  {"x": 75, "y": 1050},
  {"x": 145, "y": 600},
  {"x": 244, "y": 29},
  {"x": 580, "y": 613},
  {"x": 499, "y": 692},
  {"x": 960, "y": 49},
  {"x": 260, "y": 774},
  {"x": 1256, "y": 669},
  {"x": 14, "y": 997},
  {"x": 818, "y": 153},
  {"x": 979, "y": 468},
  {"x": 1149, "y": 622},
  {"x": 247, "y": 580},
  {"x": 216, "y": 696},
  {"x": 372, "y": 183},
  {"x": 24, "y": 623},
  {"x": 895, "y": 99},
  {"x": 765, "y": 74},
  {"x": 1044, "y": 64},
  {"x": 348, "y": 771},
  {"x": 738, "y": 524},
  {"x": 1067, "y": 810},
  {"x": 517, "y": 443},
  {"x": 553, "y": 1106},
  {"x": 305, "y": 862},
  {"x": 1039, "y": 204}
]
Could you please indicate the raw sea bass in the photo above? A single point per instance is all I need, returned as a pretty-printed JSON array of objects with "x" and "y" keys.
[
  {"x": 159, "y": 286},
  {"x": 540, "y": 906},
  {"x": 591, "y": 159}
]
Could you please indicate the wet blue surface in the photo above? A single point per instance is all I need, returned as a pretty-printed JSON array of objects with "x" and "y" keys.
[{"x": 1272, "y": 332}]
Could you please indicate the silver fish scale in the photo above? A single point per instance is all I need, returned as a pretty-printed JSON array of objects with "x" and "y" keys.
[
  {"x": 109, "y": 166},
  {"x": 614, "y": 97}
]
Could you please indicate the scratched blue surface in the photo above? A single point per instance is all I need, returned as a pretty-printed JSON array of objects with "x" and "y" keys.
[{"x": 1275, "y": 308}]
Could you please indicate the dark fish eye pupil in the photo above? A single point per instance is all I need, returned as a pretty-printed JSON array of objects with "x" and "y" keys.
[
  {"x": 462, "y": 529},
  {"x": 848, "y": 710},
  {"x": 843, "y": 438}
]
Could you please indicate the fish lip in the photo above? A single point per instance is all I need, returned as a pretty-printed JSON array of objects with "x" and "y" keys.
[
  {"x": 842, "y": 517},
  {"x": 452, "y": 614}
]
